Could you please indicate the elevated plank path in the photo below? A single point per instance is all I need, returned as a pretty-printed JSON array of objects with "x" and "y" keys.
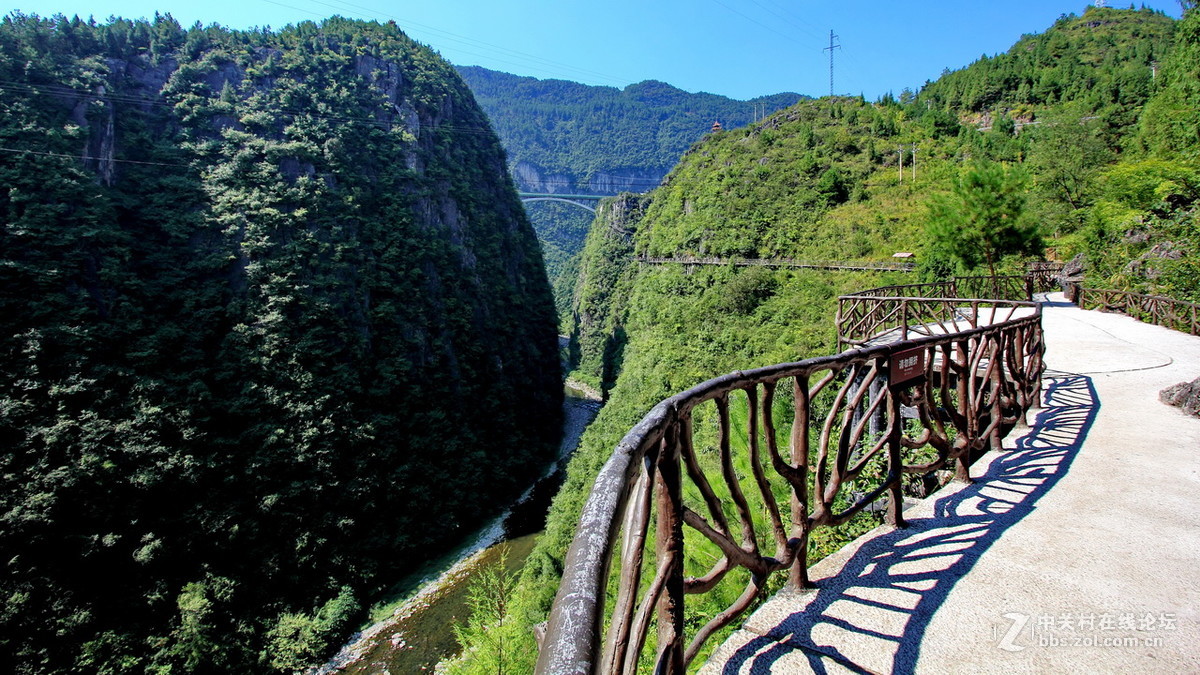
[
  {"x": 789, "y": 263},
  {"x": 1075, "y": 550}
]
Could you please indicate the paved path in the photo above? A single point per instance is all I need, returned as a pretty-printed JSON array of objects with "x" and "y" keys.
[{"x": 1077, "y": 550}]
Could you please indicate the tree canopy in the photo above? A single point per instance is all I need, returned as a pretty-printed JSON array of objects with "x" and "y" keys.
[
  {"x": 259, "y": 291},
  {"x": 983, "y": 219}
]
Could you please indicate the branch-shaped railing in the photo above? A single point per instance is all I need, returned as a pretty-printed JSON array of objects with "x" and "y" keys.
[
  {"x": 1156, "y": 309},
  {"x": 882, "y": 314},
  {"x": 754, "y": 463}
]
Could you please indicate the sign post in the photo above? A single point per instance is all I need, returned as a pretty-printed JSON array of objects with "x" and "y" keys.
[{"x": 905, "y": 369}]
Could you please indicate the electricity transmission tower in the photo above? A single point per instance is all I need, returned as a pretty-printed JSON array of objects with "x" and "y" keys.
[{"x": 830, "y": 49}]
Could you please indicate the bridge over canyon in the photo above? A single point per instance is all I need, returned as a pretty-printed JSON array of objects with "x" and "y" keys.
[
  {"x": 1067, "y": 540},
  {"x": 587, "y": 202}
]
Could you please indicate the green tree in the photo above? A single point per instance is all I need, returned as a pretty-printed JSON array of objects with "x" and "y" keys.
[
  {"x": 1065, "y": 153},
  {"x": 235, "y": 333},
  {"x": 299, "y": 639},
  {"x": 1171, "y": 122},
  {"x": 489, "y": 597},
  {"x": 983, "y": 219}
]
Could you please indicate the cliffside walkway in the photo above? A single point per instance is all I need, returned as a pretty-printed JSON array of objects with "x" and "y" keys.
[
  {"x": 1076, "y": 549},
  {"x": 846, "y": 265}
]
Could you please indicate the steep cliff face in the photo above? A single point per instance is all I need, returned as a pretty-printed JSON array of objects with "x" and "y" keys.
[
  {"x": 534, "y": 178},
  {"x": 605, "y": 273},
  {"x": 260, "y": 293}
]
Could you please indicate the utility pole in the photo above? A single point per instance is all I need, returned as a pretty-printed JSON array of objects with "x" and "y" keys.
[
  {"x": 830, "y": 49},
  {"x": 900, "y": 152}
]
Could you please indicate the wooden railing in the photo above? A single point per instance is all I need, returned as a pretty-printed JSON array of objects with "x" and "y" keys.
[
  {"x": 1167, "y": 312},
  {"x": 883, "y": 314},
  {"x": 867, "y": 321},
  {"x": 754, "y": 463}
]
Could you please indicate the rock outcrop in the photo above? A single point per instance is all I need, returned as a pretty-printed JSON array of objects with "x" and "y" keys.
[{"x": 1185, "y": 395}]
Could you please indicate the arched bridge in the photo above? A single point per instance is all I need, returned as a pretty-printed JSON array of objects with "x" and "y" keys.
[
  {"x": 760, "y": 465},
  {"x": 582, "y": 201}
]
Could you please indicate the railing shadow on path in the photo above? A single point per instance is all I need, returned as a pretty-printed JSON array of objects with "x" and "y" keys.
[{"x": 877, "y": 609}]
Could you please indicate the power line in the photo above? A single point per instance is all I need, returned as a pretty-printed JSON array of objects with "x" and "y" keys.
[
  {"x": 88, "y": 157},
  {"x": 756, "y": 21},
  {"x": 787, "y": 11},
  {"x": 461, "y": 39},
  {"x": 51, "y": 90},
  {"x": 785, "y": 18}
]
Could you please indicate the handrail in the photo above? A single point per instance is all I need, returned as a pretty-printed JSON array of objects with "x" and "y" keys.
[
  {"x": 1156, "y": 309},
  {"x": 859, "y": 422},
  {"x": 863, "y": 318}
]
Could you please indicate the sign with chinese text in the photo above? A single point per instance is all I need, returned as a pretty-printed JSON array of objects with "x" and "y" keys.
[{"x": 907, "y": 366}]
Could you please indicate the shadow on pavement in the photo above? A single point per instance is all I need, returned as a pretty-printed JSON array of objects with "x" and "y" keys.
[{"x": 872, "y": 616}]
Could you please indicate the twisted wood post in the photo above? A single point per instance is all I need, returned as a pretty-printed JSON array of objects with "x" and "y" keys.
[
  {"x": 895, "y": 512},
  {"x": 800, "y": 421},
  {"x": 669, "y": 549}
]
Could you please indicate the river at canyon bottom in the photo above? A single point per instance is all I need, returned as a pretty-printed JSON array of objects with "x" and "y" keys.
[{"x": 413, "y": 635}]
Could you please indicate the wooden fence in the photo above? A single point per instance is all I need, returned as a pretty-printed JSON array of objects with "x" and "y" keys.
[
  {"x": 1167, "y": 312},
  {"x": 719, "y": 489}
]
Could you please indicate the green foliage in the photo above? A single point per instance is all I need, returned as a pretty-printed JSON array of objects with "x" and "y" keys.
[
  {"x": 598, "y": 306},
  {"x": 1171, "y": 122},
  {"x": 561, "y": 229},
  {"x": 299, "y": 640},
  {"x": 1101, "y": 61},
  {"x": 488, "y": 631},
  {"x": 1142, "y": 234},
  {"x": 286, "y": 289},
  {"x": 823, "y": 160},
  {"x": 820, "y": 180},
  {"x": 983, "y": 219},
  {"x": 1066, "y": 152},
  {"x": 648, "y": 331},
  {"x": 574, "y": 131},
  {"x": 573, "y": 138}
]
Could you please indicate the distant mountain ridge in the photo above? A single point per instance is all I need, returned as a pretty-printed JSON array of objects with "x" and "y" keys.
[
  {"x": 565, "y": 137},
  {"x": 570, "y": 138}
]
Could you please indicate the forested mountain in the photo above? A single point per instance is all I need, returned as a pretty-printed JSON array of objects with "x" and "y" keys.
[
  {"x": 821, "y": 179},
  {"x": 575, "y": 138},
  {"x": 1104, "y": 61},
  {"x": 273, "y": 325},
  {"x": 572, "y": 138}
]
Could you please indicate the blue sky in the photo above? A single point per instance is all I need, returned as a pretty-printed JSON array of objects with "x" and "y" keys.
[{"x": 738, "y": 48}]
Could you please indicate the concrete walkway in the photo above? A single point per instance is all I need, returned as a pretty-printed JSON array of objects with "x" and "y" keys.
[{"x": 1075, "y": 551}]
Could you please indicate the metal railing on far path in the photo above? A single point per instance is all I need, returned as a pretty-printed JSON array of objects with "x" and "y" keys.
[{"x": 717, "y": 495}]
